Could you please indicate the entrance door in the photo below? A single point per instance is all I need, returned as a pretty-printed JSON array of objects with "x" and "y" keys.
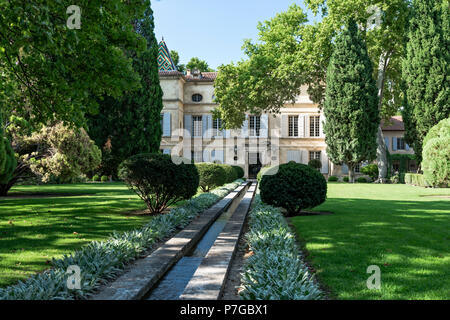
[{"x": 254, "y": 165}]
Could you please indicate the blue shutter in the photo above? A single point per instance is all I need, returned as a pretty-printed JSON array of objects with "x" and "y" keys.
[
  {"x": 394, "y": 144},
  {"x": 386, "y": 141},
  {"x": 264, "y": 130},
  {"x": 344, "y": 169},
  {"x": 205, "y": 125},
  {"x": 167, "y": 129},
  {"x": 407, "y": 146},
  {"x": 188, "y": 124}
]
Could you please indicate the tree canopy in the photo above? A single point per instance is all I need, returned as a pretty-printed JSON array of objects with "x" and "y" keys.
[
  {"x": 201, "y": 65},
  {"x": 50, "y": 71},
  {"x": 176, "y": 60}
]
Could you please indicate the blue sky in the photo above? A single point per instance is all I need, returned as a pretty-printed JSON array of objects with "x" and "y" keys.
[{"x": 212, "y": 30}]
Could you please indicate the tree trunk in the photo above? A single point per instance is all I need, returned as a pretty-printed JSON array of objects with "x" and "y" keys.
[
  {"x": 351, "y": 173},
  {"x": 382, "y": 161}
]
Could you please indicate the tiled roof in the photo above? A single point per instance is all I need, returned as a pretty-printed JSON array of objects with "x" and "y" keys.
[
  {"x": 394, "y": 124},
  {"x": 165, "y": 62}
]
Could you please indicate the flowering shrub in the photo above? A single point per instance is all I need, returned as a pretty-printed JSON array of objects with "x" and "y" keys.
[
  {"x": 275, "y": 271},
  {"x": 101, "y": 261}
]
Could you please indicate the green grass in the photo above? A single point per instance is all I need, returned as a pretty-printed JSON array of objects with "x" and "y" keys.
[
  {"x": 34, "y": 230},
  {"x": 400, "y": 228}
]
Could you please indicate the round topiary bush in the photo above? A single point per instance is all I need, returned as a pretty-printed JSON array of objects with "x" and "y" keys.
[
  {"x": 96, "y": 178},
  {"x": 211, "y": 176},
  {"x": 315, "y": 163},
  {"x": 361, "y": 180},
  {"x": 104, "y": 178},
  {"x": 239, "y": 172},
  {"x": 294, "y": 187},
  {"x": 159, "y": 181},
  {"x": 333, "y": 179},
  {"x": 436, "y": 154},
  {"x": 345, "y": 179},
  {"x": 230, "y": 173}
]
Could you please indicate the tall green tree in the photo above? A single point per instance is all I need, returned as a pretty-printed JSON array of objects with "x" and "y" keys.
[
  {"x": 132, "y": 124},
  {"x": 351, "y": 104},
  {"x": 426, "y": 70},
  {"x": 50, "y": 69},
  {"x": 2, "y": 146},
  {"x": 201, "y": 65}
]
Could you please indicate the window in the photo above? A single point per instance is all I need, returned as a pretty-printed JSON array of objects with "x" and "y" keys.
[
  {"x": 197, "y": 126},
  {"x": 197, "y": 97},
  {"x": 293, "y": 126},
  {"x": 314, "y": 126},
  {"x": 314, "y": 155},
  {"x": 400, "y": 144},
  {"x": 358, "y": 168},
  {"x": 197, "y": 156},
  {"x": 217, "y": 128},
  {"x": 255, "y": 126}
]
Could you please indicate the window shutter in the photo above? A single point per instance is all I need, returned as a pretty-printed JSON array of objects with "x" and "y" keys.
[
  {"x": 344, "y": 169},
  {"x": 294, "y": 155},
  {"x": 264, "y": 130},
  {"x": 219, "y": 156},
  {"x": 394, "y": 143},
  {"x": 324, "y": 160},
  {"x": 245, "y": 128},
  {"x": 284, "y": 126},
  {"x": 167, "y": 129},
  {"x": 386, "y": 141},
  {"x": 322, "y": 126},
  {"x": 206, "y": 156},
  {"x": 188, "y": 124},
  {"x": 204, "y": 126},
  {"x": 406, "y": 146},
  {"x": 227, "y": 134}
]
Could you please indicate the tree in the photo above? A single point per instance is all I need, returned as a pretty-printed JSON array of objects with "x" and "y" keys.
[
  {"x": 351, "y": 105},
  {"x": 54, "y": 152},
  {"x": 2, "y": 147},
  {"x": 131, "y": 125},
  {"x": 176, "y": 60},
  {"x": 50, "y": 71},
  {"x": 426, "y": 71},
  {"x": 7, "y": 157},
  {"x": 201, "y": 65}
]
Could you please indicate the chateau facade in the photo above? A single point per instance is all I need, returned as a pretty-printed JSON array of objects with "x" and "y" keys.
[{"x": 295, "y": 134}]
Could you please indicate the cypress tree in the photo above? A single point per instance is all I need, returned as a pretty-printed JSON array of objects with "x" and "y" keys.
[
  {"x": 131, "y": 125},
  {"x": 2, "y": 146},
  {"x": 7, "y": 158},
  {"x": 426, "y": 70},
  {"x": 350, "y": 106}
]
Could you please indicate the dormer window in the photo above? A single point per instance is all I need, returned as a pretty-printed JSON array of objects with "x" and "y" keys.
[{"x": 197, "y": 97}]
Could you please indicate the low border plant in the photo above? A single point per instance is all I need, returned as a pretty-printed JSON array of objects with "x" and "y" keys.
[
  {"x": 276, "y": 270},
  {"x": 102, "y": 261}
]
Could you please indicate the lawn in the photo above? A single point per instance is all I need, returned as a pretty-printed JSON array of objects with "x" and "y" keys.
[
  {"x": 35, "y": 229},
  {"x": 402, "y": 229}
]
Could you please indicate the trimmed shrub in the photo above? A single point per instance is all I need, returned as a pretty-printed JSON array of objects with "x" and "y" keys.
[
  {"x": 96, "y": 177},
  {"x": 345, "y": 179},
  {"x": 436, "y": 154},
  {"x": 158, "y": 181},
  {"x": 361, "y": 180},
  {"x": 239, "y": 171},
  {"x": 315, "y": 163},
  {"x": 275, "y": 270},
  {"x": 333, "y": 179},
  {"x": 294, "y": 187},
  {"x": 371, "y": 170},
  {"x": 211, "y": 175},
  {"x": 416, "y": 179},
  {"x": 104, "y": 179},
  {"x": 230, "y": 173}
]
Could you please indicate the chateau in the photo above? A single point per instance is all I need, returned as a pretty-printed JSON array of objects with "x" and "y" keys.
[{"x": 295, "y": 134}]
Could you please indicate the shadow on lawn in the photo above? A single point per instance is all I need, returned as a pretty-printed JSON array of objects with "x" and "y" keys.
[{"x": 408, "y": 240}]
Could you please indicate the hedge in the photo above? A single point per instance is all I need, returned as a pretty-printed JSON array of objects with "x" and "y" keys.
[
  {"x": 103, "y": 261},
  {"x": 416, "y": 179},
  {"x": 275, "y": 270}
]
